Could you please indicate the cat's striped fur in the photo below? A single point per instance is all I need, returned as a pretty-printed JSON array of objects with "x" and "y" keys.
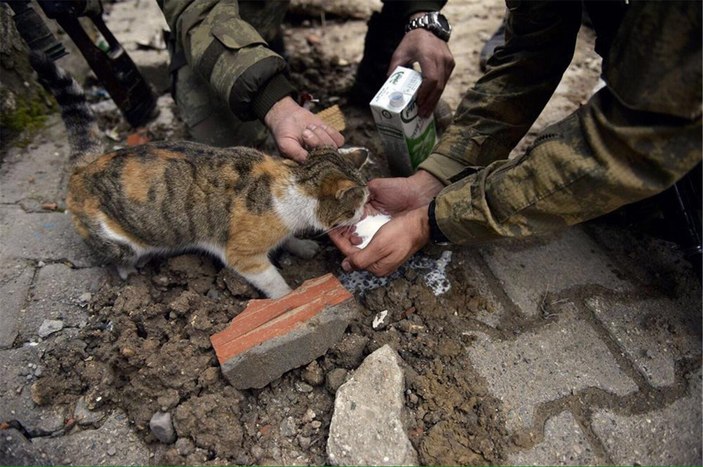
[{"x": 163, "y": 198}]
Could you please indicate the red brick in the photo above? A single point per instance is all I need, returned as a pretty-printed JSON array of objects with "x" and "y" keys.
[{"x": 271, "y": 337}]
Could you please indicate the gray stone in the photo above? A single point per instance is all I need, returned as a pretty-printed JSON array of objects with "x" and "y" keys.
[
  {"x": 15, "y": 280},
  {"x": 556, "y": 360},
  {"x": 288, "y": 428},
  {"x": 84, "y": 416},
  {"x": 35, "y": 172},
  {"x": 93, "y": 447},
  {"x": 564, "y": 444},
  {"x": 15, "y": 449},
  {"x": 263, "y": 363},
  {"x": 668, "y": 436},
  {"x": 49, "y": 326},
  {"x": 334, "y": 379},
  {"x": 366, "y": 426},
  {"x": 42, "y": 236},
  {"x": 653, "y": 333},
  {"x": 162, "y": 427},
  {"x": 530, "y": 268},
  {"x": 59, "y": 293},
  {"x": 313, "y": 374}
]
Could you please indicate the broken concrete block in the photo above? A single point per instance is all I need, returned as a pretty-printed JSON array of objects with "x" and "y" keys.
[
  {"x": 367, "y": 426},
  {"x": 271, "y": 337}
]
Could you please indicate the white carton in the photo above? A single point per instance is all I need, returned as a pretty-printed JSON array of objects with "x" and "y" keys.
[{"x": 407, "y": 138}]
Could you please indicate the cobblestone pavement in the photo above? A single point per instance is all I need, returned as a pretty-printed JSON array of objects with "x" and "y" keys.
[{"x": 593, "y": 347}]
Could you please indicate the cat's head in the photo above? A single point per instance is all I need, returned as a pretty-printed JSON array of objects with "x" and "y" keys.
[{"x": 332, "y": 176}]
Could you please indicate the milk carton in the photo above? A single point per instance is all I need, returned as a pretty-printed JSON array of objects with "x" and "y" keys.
[{"x": 407, "y": 138}]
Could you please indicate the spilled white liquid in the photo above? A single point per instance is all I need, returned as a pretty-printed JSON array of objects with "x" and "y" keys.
[{"x": 433, "y": 272}]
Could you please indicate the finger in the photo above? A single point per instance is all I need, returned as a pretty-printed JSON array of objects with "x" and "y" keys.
[
  {"x": 311, "y": 138},
  {"x": 292, "y": 149},
  {"x": 335, "y": 135},
  {"x": 342, "y": 243},
  {"x": 399, "y": 58},
  {"x": 427, "y": 89}
]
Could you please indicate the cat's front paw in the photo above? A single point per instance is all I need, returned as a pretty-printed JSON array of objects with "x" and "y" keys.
[{"x": 305, "y": 249}]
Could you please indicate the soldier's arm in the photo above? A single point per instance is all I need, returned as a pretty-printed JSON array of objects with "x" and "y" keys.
[
  {"x": 504, "y": 103},
  {"x": 229, "y": 54}
]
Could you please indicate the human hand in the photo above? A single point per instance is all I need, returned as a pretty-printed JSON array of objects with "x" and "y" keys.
[
  {"x": 295, "y": 128},
  {"x": 392, "y": 245},
  {"x": 396, "y": 195},
  {"x": 436, "y": 62}
]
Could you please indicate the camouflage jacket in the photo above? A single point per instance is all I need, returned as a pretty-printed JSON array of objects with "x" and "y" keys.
[
  {"x": 652, "y": 67},
  {"x": 227, "y": 43}
]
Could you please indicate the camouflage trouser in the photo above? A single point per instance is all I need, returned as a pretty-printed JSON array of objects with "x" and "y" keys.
[
  {"x": 207, "y": 117},
  {"x": 601, "y": 157}
]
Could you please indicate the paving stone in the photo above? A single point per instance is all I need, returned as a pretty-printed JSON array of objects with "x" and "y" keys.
[
  {"x": 42, "y": 236},
  {"x": 15, "y": 395},
  {"x": 36, "y": 171},
  {"x": 113, "y": 443},
  {"x": 653, "y": 333},
  {"x": 669, "y": 436},
  {"x": 15, "y": 449},
  {"x": 556, "y": 360},
  {"x": 57, "y": 296},
  {"x": 271, "y": 337},
  {"x": 15, "y": 280},
  {"x": 564, "y": 444},
  {"x": 366, "y": 426},
  {"x": 488, "y": 310},
  {"x": 530, "y": 268}
]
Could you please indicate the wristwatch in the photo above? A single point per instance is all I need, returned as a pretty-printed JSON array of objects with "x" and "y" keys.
[{"x": 434, "y": 21}]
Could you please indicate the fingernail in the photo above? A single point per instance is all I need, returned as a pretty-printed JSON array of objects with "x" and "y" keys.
[
  {"x": 307, "y": 133},
  {"x": 346, "y": 266},
  {"x": 312, "y": 127}
]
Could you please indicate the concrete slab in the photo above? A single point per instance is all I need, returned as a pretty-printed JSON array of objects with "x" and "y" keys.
[
  {"x": 42, "y": 236},
  {"x": 114, "y": 443},
  {"x": 19, "y": 372},
  {"x": 530, "y": 268},
  {"x": 486, "y": 307},
  {"x": 15, "y": 280},
  {"x": 36, "y": 171},
  {"x": 653, "y": 333},
  {"x": 56, "y": 294},
  {"x": 564, "y": 444},
  {"x": 669, "y": 436},
  {"x": 557, "y": 360}
]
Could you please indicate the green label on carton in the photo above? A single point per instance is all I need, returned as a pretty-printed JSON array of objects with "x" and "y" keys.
[{"x": 420, "y": 147}]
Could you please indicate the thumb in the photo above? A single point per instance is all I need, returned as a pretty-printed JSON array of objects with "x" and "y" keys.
[{"x": 361, "y": 259}]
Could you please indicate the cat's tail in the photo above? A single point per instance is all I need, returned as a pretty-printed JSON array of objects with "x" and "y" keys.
[{"x": 83, "y": 132}]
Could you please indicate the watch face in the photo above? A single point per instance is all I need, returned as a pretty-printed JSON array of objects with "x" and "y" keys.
[{"x": 443, "y": 22}]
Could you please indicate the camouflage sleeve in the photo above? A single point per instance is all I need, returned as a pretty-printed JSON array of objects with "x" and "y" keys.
[
  {"x": 600, "y": 158},
  {"x": 229, "y": 53},
  {"x": 618, "y": 148},
  {"x": 505, "y": 102}
]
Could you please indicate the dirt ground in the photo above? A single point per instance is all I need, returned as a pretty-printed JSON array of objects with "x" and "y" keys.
[{"x": 146, "y": 347}]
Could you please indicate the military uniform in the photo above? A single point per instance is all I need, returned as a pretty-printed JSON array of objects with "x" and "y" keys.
[
  {"x": 227, "y": 77},
  {"x": 633, "y": 139}
]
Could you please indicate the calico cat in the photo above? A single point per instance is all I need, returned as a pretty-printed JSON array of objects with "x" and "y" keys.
[{"x": 167, "y": 197}]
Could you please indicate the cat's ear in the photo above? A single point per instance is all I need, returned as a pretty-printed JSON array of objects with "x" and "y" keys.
[
  {"x": 356, "y": 154},
  {"x": 346, "y": 188}
]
